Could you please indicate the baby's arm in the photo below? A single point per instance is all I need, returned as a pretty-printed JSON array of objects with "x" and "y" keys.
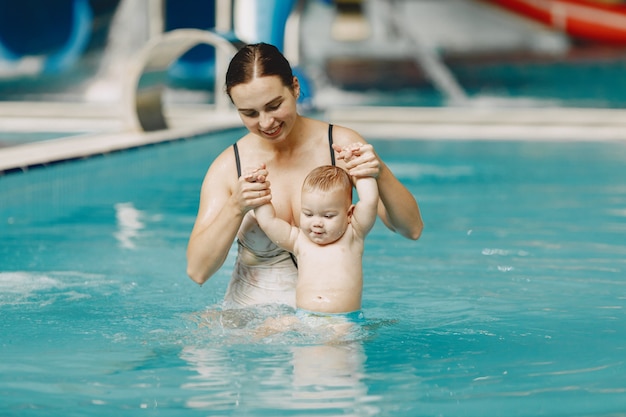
[
  {"x": 366, "y": 208},
  {"x": 278, "y": 230}
]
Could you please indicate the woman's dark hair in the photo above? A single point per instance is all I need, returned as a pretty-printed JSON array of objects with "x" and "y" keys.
[{"x": 257, "y": 60}]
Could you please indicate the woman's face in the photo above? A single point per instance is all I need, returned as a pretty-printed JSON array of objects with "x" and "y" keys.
[{"x": 266, "y": 107}]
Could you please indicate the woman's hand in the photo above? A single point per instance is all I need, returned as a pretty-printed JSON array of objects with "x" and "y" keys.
[
  {"x": 360, "y": 159},
  {"x": 254, "y": 189},
  {"x": 399, "y": 210}
]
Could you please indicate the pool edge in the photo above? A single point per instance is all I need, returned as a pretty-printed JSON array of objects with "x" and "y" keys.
[
  {"x": 106, "y": 132},
  {"x": 102, "y": 134}
]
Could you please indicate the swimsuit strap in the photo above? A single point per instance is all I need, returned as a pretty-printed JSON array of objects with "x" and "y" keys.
[
  {"x": 330, "y": 144},
  {"x": 237, "y": 161}
]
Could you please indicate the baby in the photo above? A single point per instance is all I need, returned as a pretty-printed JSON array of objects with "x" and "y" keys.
[{"x": 329, "y": 243}]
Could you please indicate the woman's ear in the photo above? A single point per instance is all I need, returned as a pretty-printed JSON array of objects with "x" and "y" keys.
[{"x": 296, "y": 87}]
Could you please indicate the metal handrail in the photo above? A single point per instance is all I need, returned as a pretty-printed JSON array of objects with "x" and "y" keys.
[{"x": 148, "y": 75}]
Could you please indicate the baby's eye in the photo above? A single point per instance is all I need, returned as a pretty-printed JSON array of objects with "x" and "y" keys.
[{"x": 329, "y": 216}]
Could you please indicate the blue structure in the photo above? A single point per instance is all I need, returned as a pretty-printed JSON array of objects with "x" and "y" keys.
[
  {"x": 251, "y": 25},
  {"x": 57, "y": 31},
  {"x": 253, "y": 21},
  {"x": 264, "y": 21},
  {"x": 55, "y": 34},
  {"x": 196, "y": 68}
]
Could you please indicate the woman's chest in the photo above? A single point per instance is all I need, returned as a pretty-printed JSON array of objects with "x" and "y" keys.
[
  {"x": 286, "y": 193},
  {"x": 286, "y": 184}
]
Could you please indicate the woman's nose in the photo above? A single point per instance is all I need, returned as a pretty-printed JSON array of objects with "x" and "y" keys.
[{"x": 265, "y": 120}]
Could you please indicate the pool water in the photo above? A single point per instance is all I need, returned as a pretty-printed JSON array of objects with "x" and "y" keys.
[
  {"x": 586, "y": 77},
  {"x": 512, "y": 302},
  {"x": 20, "y": 138}
]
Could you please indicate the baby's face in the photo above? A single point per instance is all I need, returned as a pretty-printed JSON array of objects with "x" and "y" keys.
[{"x": 325, "y": 215}]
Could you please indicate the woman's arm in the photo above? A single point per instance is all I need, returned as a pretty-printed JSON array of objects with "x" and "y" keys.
[
  {"x": 223, "y": 205},
  {"x": 398, "y": 208}
]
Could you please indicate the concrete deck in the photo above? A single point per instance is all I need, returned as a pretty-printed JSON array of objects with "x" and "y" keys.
[
  {"x": 564, "y": 124},
  {"x": 95, "y": 129},
  {"x": 101, "y": 129}
]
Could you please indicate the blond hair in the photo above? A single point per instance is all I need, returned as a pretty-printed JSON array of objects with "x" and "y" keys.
[{"x": 328, "y": 177}]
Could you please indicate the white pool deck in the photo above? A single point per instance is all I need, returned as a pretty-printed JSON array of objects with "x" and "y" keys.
[{"x": 100, "y": 129}]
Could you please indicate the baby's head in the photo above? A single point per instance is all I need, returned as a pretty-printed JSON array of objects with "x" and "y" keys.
[
  {"x": 326, "y": 204},
  {"x": 329, "y": 178}
]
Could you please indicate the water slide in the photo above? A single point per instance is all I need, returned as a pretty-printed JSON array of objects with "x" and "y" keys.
[
  {"x": 42, "y": 35},
  {"x": 50, "y": 37},
  {"x": 601, "y": 21}
]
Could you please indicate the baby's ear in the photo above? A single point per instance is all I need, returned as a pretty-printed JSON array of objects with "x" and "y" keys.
[{"x": 351, "y": 211}]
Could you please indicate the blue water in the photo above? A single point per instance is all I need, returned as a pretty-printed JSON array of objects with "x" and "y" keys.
[
  {"x": 588, "y": 77},
  {"x": 511, "y": 304},
  {"x": 20, "y": 138}
]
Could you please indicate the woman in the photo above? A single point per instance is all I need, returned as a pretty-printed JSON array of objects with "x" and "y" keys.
[{"x": 261, "y": 85}]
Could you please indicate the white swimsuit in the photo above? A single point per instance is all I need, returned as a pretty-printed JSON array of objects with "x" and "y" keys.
[{"x": 263, "y": 273}]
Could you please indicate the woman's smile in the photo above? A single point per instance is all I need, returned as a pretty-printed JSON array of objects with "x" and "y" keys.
[{"x": 273, "y": 132}]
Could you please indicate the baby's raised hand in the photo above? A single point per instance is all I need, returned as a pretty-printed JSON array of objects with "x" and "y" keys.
[
  {"x": 360, "y": 159},
  {"x": 349, "y": 152}
]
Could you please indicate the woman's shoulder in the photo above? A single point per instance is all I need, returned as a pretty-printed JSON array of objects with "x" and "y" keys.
[
  {"x": 343, "y": 135},
  {"x": 224, "y": 164}
]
